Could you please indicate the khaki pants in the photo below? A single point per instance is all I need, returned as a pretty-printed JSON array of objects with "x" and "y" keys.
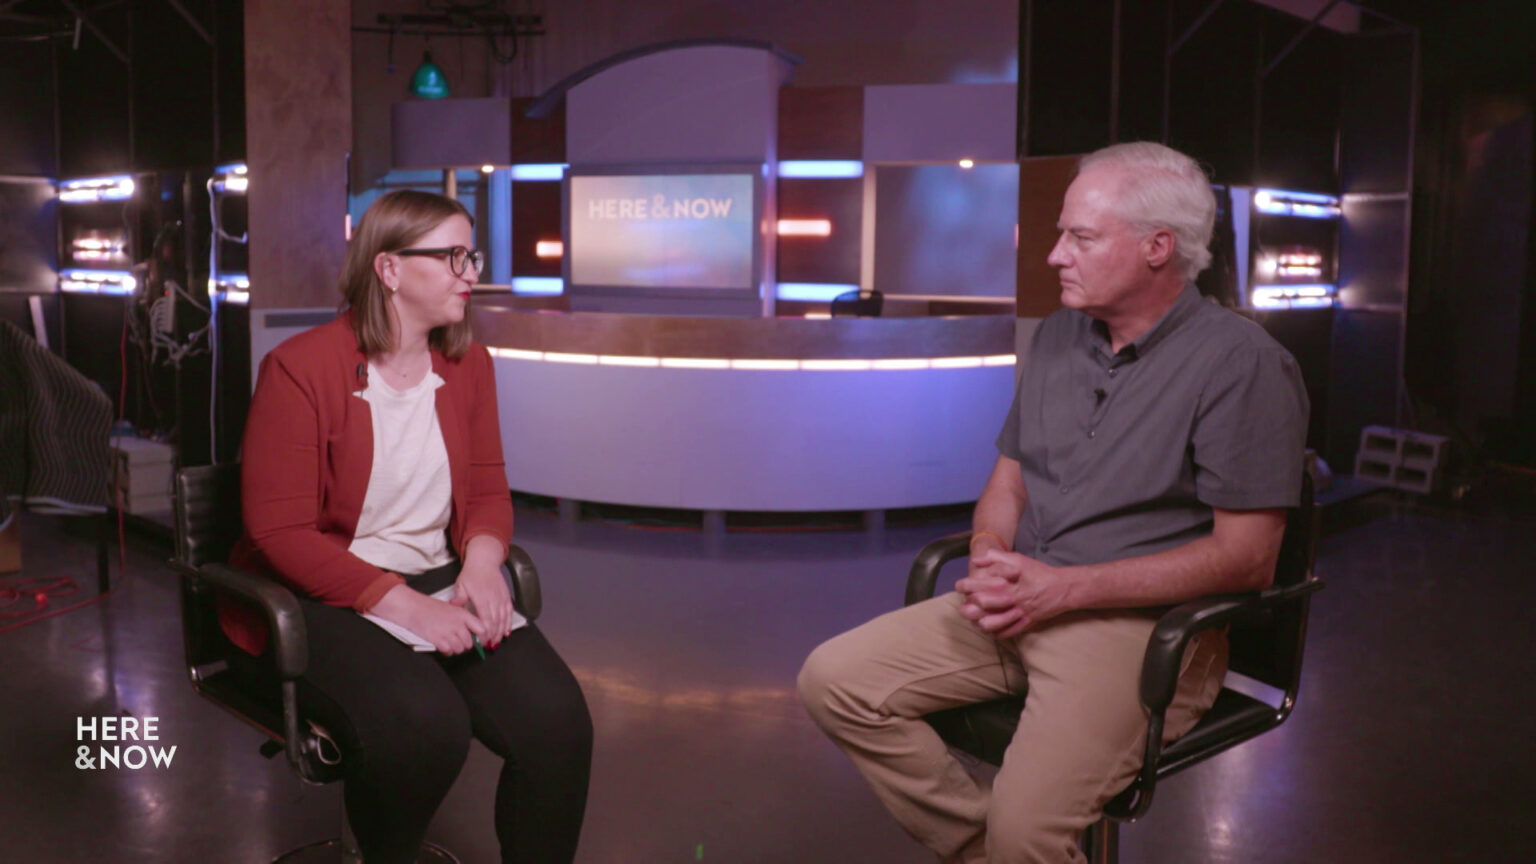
[{"x": 1079, "y": 741}]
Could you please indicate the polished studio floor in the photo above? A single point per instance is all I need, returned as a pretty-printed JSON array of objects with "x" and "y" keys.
[{"x": 1413, "y": 741}]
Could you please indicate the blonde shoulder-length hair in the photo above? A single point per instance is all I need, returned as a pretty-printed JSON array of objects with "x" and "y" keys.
[{"x": 395, "y": 221}]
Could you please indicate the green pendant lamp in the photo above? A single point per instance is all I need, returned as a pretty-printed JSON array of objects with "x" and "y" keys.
[{"x": 429, "y": 82}]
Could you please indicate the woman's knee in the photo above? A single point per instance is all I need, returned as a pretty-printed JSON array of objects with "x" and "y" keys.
[
  {"x": 423, "y": 735},
  {"x": 567, "y": 722},
  {"x": 540, "y": 715}
]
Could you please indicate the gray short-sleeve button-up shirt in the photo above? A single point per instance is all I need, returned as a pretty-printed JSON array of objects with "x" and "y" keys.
[{"x": 1126, "y": 454}]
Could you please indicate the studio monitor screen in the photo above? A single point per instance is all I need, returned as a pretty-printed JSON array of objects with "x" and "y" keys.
[{"x": 672, "y": 231}]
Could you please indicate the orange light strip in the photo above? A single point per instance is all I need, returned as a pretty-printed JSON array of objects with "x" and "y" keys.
[
  {"x": 761, "y": 365},
  {"x": 805, "y": 228}
]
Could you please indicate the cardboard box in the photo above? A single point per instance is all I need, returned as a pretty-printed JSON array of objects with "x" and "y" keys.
[{"x": 141, "y": 475}]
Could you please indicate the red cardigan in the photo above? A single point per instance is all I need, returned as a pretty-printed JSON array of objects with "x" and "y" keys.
[{"x": 307, "y": 456}]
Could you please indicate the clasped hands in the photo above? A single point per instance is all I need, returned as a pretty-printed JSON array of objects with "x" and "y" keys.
[
  {"x": 479, "y": 609},
  {"x": 1005, "y": 593},
  {"x": 482, "y": 591}
]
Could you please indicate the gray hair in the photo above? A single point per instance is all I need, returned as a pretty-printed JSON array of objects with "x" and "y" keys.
[{"x": 1164, "y": 189}]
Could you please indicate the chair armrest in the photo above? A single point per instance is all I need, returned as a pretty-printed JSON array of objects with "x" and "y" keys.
[
  {"x": 1165, "y": 650},
  {"x": 525, "y": 582},
  {"x": 1160, "y": 672},
  {"x": 290, "y": 644},
  {"x": 924, "y": 574}
]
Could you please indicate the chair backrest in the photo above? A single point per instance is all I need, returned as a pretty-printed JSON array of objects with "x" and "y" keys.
[
  {"x": 207, "y": 513},
  {"x": 1269, "y": 648},
  {"x": 862, "y": 304},
  {"x": 208, "y": 522}
]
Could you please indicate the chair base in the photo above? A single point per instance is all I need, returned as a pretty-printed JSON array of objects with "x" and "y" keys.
[{"x": 333, "y": 852}]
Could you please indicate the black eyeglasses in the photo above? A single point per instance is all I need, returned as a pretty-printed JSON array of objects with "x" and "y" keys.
[{"x": 458, "y": 257}]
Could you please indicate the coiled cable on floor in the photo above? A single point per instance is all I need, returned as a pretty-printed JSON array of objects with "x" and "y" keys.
[{"x": 35, "y": 594}]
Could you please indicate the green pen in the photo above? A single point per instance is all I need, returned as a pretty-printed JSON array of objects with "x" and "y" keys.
[{"x": 470, "y": 608}]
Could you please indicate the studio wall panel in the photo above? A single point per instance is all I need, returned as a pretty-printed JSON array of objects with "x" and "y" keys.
[
  {"x": 1070, "y": 58},
  {"x": 821, "y": 122},
  {"x": 228, "y": 23},
  {"x": 834, "y": 258},
  {"x": 1043, "y": 183},
  {"x": 535, "y": 217},
  {"x": 1144, "y": 29},
  {"x": 173, "y": 86},
  {"x": 926, "y": 123},
  {"x": 1363, "y": 384},
  {"x": 1377, "y": 114},
  {"x": 1212, "y": 90},
  {"x": 27, "y": 104},
  {"x": 29, "y": 224},
  {"x": 96, "y": 99},
  {"x": 1299, "y": 111},
  {"x": 299, "y": 131},
  {"x": 942, "y": 229},
  {"x": 538, "y": 140}
]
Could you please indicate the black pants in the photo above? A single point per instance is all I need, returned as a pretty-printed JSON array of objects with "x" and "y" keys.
[{"x": 403, "y": 720}]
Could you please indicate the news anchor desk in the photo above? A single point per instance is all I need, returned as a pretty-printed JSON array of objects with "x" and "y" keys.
[{"x": 741, "y": 414}]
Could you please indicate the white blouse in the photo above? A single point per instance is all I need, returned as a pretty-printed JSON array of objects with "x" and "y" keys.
[{"x": 404, "y": 524}]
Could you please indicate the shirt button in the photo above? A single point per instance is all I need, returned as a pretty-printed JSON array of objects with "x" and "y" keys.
[
  {"x": 1091, "y": 433},
  {"x": 1065, "y": 489},
  {"x": 1044, "y": 547},
  {"x": 1112, "y": 372}
]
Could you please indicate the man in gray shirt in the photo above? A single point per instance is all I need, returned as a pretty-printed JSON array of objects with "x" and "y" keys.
[{"x": 1153, "y": 445}]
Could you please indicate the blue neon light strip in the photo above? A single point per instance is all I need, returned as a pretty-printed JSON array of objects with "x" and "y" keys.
[
  {"x": 1292, "y": 296},
  {"x": 118, "y": 188},
  {"x": 538, "y": 285},
  {"x": 1309, "y": 205},
  {"x": 1314, "y": 290},
  {"x": 812, "y": 291},
  {"x": 97, "y": 281},
  {"x": 545, "y": 171},
  {"x": 234, "y": 281},
  {"x": 1313, "y": 197},
  {"x": 821, "y": 168},
  {"x": 1311, "y": 302}
]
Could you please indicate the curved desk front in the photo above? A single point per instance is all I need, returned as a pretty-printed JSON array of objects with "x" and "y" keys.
[{"x": 735, "y": 414}]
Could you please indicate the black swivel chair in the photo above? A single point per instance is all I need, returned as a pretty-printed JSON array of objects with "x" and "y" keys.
[
  {"x": 1268, "y": 630},
  {"x": 207, "y": 524},
  {"x": 861, "y": 304}
]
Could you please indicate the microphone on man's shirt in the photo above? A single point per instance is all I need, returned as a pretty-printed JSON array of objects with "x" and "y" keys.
[
  {"x": 362, "y": 373},
  {"x": 1099, "y": 395}
]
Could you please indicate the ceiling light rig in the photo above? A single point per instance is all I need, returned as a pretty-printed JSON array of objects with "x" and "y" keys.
[{"x": 500, "y": 29}]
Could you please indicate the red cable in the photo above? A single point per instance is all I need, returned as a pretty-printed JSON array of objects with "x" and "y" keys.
[
  {"x": 80, "y": 605},
  {"x": 41, "y": 590}
]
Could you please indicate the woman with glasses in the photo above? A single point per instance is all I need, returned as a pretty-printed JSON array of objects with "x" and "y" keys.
[{"x": 373, "y": 484}]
